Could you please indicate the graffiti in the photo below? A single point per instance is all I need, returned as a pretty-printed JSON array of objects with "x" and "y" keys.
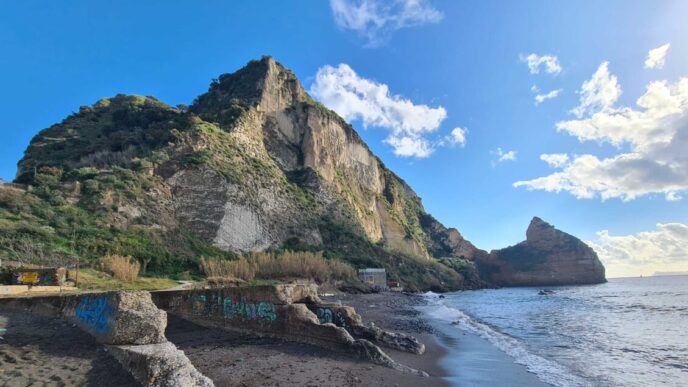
[
  {"x": 327, "y": 316},
  {"x": 238, "y": 307},
  {"x": 176, "y": 302},
  {"x": 28, "y": 278},
  {"x": 95, "y": 312},
  {"x": 198, "y": 305}
]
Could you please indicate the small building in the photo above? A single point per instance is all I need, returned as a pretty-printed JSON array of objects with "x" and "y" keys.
[{"x": 375, "y": 278}]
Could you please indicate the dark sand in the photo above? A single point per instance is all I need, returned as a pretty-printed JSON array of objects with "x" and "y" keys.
[
  {"x": 38, "y": 351},
  {"x": 238, "y": 360}
]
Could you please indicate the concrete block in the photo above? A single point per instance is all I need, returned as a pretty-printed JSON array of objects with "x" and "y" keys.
[
  {"x": 127, "y": 317},
  {"x": 159, "y": 365}
]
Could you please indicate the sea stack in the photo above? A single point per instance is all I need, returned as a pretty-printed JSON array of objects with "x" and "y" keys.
[{"x": 548, "y": 256}]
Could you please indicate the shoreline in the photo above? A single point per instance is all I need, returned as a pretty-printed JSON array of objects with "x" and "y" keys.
[
  {"x": 452, "y": 357},
  {"x": 233, "y": 359},
  {"x": 455, "y": 357},
  {"x": 473, "y": 360}
]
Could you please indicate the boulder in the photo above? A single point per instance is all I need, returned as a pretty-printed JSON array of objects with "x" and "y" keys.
[
  {"x": 347, "y": 318},
  {"x": 369, "y": 351},
  {"x": 399, "y": 341}
]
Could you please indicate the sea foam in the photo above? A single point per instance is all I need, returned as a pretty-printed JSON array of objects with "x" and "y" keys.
[{"x": 546, "y": 370}]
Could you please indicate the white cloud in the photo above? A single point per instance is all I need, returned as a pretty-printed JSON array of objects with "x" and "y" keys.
[
  {"x": 540, "y": 98},
  {"x": 656, "y": 134},
  {"x": 663, "y": 249},
  {"x": 549, "y": 62},
  {"x": 458, "y": 136},
  {"x": 375, "y": 20},
  {"x": 503, "y": 156},
  {"x": 406, "y": 146},
  {"x": 656, "y": 57},
  {"x": 555, "y": 160},
  {"x": 357, "y": 98},
  {"x": 598, "y": 93}
]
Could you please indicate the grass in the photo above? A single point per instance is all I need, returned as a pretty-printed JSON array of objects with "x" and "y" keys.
[
  {"x": 280, "y": 266},
  {"x": 90, "y": 279},
  {"x": 121, "y": 267}
]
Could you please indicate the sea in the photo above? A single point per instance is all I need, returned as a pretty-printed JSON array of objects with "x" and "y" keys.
[{"x": 626, "y": 332}]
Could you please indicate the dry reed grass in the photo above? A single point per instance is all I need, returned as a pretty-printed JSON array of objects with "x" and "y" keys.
[
  {"x": 121, "y": 267},
  {"x": 286, "y": 265}
]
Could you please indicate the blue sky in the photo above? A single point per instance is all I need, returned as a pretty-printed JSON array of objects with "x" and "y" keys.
[{"x": 464, "y": 60}]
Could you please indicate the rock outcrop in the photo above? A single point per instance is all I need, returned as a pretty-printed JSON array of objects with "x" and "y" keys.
[
  {"x": 252, "y": 164},
  {"x": 548, "y": 256}
]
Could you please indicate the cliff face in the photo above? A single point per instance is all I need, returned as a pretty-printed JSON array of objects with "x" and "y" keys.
[
  {"x": 548, "y": 256},
  {"x": 252, "y": 164}
]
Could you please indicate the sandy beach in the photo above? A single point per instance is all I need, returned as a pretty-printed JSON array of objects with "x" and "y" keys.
[
  {"x": 40, "y": 351},
  {"x": 239, "y": 360}
]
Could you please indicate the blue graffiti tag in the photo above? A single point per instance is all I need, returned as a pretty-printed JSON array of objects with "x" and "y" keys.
[
  {"x": 327, "y": 316},
  {"x": 95, "y": 312},
  {"x": 238, "y": 307}
]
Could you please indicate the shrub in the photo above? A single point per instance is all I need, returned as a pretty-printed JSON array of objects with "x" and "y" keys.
[
  {"x": 121, "y": 267},
  {"x": 286, "y": 265},
  {"x": 240, "y": 268}
]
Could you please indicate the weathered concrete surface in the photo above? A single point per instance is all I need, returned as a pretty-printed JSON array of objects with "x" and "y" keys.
[
  {"x": 112, "y": 318},
  {"x": 280, "y": 311},
  {"x": 122, "y": 318},
  {"x": 15, "y": 290},
  {"x": 159, "y": 365},
  {"x": 130, "y": 323},
  {"x": 281, "y": 294}
]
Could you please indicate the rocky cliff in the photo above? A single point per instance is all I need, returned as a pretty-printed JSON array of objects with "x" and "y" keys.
[
  {"x": 252, "y": 164},
  {"x": 548, "y": 256}
]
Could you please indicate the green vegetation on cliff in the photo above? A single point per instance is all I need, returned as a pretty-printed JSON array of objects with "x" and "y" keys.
[{"x": 133, "y": 176}]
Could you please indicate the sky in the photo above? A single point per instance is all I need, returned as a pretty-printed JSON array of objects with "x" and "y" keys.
[{"x": 493, "y": 111}]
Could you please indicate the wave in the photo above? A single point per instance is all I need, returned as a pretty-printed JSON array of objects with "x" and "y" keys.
[{"x": 546, "y": 370}]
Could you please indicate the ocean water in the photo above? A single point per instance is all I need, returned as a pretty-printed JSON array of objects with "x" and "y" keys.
[{"x": 627, "y": 332}]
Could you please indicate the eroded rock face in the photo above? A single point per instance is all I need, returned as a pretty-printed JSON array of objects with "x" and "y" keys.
[
  {"x": 447, "y": 242},
  {"x": 548, "y": 256},
  {"x": 314, "y": 148},
  {"x": 255, "y": 164}
]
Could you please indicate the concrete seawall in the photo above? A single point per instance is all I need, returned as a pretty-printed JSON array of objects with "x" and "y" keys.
[
  {"x": 132, "y": 325},
  {"x": 288, "y": 312}
]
